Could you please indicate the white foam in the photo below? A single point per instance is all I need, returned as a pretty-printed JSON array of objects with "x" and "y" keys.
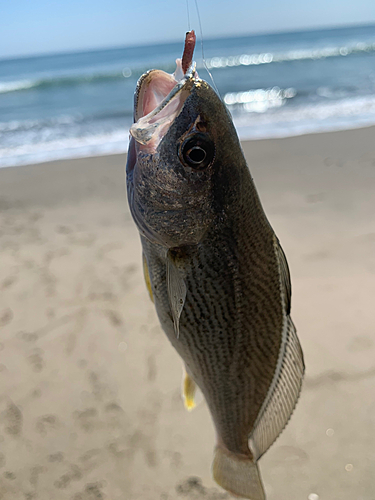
[
  {"x": 16, "y": 85},
  {"x": 259, "y": 100},
  {"x": 291, "y": 55},
  {"x": 23, "y": 125},
  {"x": 312, "y": 118},
  {"x": 59, "y": 78},
  {"x": 96, "y": 145},
  {"x": 250, "y": 118}
]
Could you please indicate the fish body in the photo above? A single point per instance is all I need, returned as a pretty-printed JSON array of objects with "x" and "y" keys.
[{"x": 217, "y": 275}]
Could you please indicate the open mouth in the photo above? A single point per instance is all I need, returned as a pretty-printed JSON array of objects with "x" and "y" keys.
[{"x": 159, "y": 99}]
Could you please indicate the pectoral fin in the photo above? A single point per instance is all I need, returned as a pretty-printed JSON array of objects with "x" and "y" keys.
[{"x": 176, "y": 292}]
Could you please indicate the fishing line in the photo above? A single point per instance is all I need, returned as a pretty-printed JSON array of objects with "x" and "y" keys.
[
  {"x": 204, "y": 60},
  {"x": 188, "y": 14}
]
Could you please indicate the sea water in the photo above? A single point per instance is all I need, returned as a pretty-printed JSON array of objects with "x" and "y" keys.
[{"x": 275, "y": 85}]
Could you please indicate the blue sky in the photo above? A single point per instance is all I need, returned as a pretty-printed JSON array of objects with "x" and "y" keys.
[{"x": 41, "y": 26}]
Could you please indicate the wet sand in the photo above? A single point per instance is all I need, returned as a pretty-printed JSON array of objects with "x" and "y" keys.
[{"x": 90, "y": 404}]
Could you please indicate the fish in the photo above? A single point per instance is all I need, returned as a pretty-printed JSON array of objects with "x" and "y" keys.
[{"x": 214, "y": 268}]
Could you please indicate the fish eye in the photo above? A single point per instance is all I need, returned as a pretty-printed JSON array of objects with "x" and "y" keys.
[{"x": 197, "y": 152}]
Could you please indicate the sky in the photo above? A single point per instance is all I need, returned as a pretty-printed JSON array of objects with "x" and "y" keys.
[{"x": 45, "y": 26}]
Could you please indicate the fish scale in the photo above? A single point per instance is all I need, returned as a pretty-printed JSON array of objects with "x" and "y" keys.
[
  {"x": 224, "y": 284},
  {"x": 218, "y": 277}
]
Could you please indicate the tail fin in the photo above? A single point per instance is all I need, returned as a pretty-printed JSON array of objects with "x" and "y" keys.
[{"x": 238, "y": 475}]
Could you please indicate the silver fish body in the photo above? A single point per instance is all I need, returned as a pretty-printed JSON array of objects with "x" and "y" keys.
[{"x": 219, "y": 280}]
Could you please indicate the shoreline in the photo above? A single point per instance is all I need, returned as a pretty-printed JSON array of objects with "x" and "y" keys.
[{"x": 121, "y": 148}]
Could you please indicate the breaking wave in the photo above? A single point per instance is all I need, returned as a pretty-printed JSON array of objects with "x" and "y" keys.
[
  {"x": 342, "y": 114},
  {"x": 292, "y": 55},
  {"x": 20, "y": 85},
  {"x": 212, "y": 63},
  {"x": 61, "y": 121},
  {"x": 249, "y": 114},
  {"x": 81, "y": 104},
  {"x": 259, "y": 100},
  {"x": 65, "y": 148}
]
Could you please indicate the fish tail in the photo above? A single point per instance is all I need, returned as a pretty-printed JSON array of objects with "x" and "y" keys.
[{"x": 237, "y": 474}]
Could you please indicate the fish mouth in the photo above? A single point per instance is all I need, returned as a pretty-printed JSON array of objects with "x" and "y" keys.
[{"x": 159, "y": 98}]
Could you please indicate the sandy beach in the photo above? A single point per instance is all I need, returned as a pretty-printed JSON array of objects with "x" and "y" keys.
[{"x": 90, "y": 405}]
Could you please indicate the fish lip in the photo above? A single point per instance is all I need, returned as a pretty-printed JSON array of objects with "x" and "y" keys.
[
  {"x": 144, "y": 82},
  {"x": 140, "y": 82},
  {"x": 177, "y": 78},
  {"x": 158, "y": 99}
]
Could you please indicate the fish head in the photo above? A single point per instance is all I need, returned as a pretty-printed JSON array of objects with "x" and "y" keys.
[{"x": 181, "y": 138}]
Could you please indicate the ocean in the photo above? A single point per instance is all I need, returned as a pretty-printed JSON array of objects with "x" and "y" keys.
[{"x": 77, "y": 104}]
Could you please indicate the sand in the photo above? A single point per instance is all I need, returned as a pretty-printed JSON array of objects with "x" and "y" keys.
[{"x": 90, "y": 404}]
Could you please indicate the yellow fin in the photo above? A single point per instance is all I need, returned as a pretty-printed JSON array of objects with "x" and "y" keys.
[
  {"x": 188, "y": 391},
  {"x": 147, "y": 278}
]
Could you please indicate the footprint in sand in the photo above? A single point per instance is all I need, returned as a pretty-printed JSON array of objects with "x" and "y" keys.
[{"x": 13, "y": 420}]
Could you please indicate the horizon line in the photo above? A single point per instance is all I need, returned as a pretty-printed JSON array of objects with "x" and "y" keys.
[{"x": 171, "y": 41}]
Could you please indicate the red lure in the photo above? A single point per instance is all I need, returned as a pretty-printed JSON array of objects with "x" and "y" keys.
[{"x": 187, "y": 56}]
